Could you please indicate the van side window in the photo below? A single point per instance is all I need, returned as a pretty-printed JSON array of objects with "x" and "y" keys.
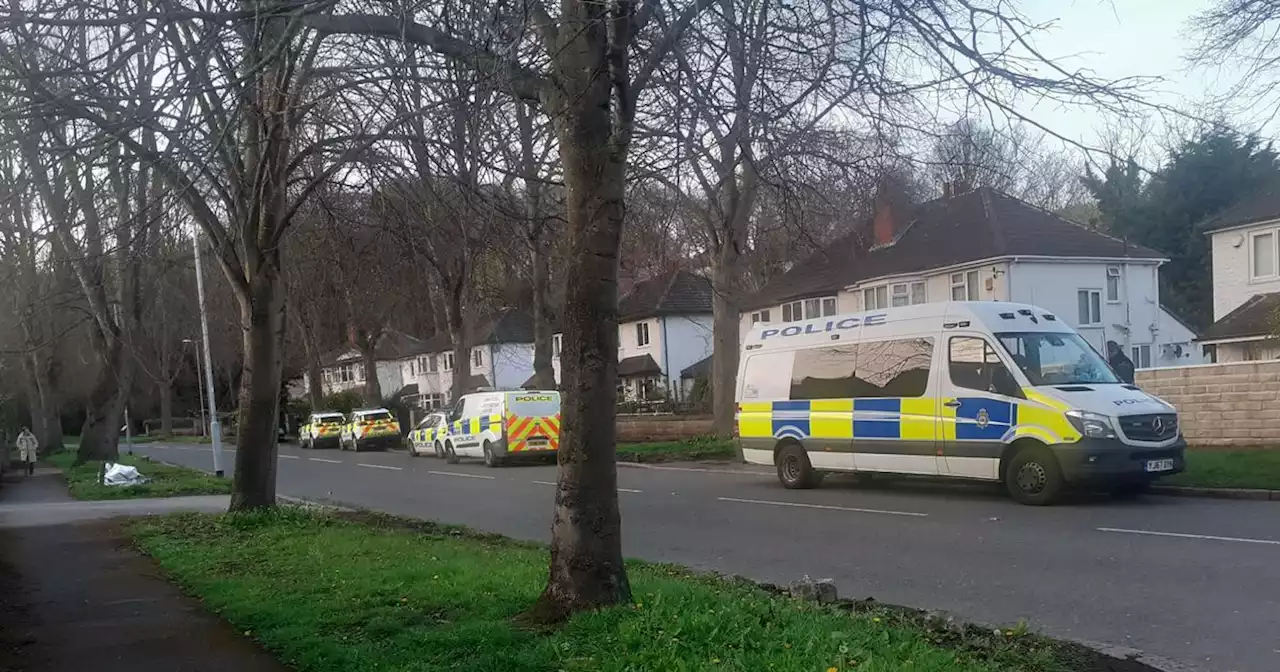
[
  {"x": 974, "y": 365},
  {"x": 898, "y": 368},
  {"x": 825, "y": 373},
  {"x": 767, "y": 376}
]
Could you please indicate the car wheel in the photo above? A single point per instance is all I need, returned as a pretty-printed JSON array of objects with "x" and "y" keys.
[
  {"x": 439, "y": 450},
  {"x": 1033, "y": 477},
  {"x": 794, "y": 469},
  {"x": 491, "y": 460},
  {"x": 450, "y": 456}
]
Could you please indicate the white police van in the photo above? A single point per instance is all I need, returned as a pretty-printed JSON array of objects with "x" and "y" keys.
[{"x": 976, "y": 390}]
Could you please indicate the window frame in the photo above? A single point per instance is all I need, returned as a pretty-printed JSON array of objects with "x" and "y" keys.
[
  {"x": 1136, "y": 353},
  {"x": 989, "y": 353},
  {"x": 557, "y": 345},
  {"x": 795, "y": 309},
  {"x": 642, "y": 335},
  {"x": 477, "y": 357},
  {"x": 1113, "y": 279},
  {"x": 968, "y": 283},
  {"x": 1274, "y": 235},
  {"x": 446, "y": 361},
  {"x": 875, "y": 293},
  {"x": 1092, "y": 304},
  {"x": 760, "y": 317}
]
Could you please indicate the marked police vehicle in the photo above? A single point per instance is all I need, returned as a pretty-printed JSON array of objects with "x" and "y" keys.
[
  {"x": 321, "y": 430},
  {"x": 504, "y": 426},
  {"x": 975, "y": 390},
  {"x": 427, "y": 437},
  {"x": 371, "y": 428}
]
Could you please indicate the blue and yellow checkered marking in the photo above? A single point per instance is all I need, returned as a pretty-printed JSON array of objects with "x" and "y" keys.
[{"x": 920, "y": 419}]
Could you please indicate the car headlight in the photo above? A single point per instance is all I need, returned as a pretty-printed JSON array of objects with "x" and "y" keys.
[{"x": 1092, "y": 425}]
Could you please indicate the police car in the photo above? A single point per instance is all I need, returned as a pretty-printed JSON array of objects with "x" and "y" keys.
[
  {"x": 428, "y": 436},
  {"x": 372, "y": 428},
  {"x": 972, "y": 390},
  {"x": 322, "y": 430}
]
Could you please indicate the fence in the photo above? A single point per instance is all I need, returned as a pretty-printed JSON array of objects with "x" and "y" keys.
[{"x": 1226, "y": 405}]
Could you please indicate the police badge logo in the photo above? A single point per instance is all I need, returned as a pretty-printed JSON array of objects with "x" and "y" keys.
[{"x": 983, "y": 418}]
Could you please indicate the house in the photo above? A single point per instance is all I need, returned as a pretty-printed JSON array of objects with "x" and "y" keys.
[
  {"x": 501, "y": 351},
  {"x": 345, "y": 370},
  {"x": 983, "y": 245},
  {"x": 664, "y": 326},
  {"x": 1245, "y": 242}
]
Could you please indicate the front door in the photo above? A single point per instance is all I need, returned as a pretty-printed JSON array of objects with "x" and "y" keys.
[{"x": 980, "y": 408}]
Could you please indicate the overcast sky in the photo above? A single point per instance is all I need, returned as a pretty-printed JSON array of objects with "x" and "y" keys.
[{"x": 1120, "y": 38}]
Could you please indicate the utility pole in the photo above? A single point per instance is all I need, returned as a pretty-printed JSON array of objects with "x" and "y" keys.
[{"x": 215, "y": 428}]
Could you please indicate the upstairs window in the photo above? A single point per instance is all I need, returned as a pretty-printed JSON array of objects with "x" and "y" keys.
[
  {"x": 964, "y": 286},
  {"x": 1263, "y": 255},
  {"x": 642, "y": 334}
]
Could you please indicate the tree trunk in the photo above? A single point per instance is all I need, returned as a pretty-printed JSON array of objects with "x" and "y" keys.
[
  {"x": 372, "y": 386},
  {"x": 46, "y": 418},
  {"x": 165, "y": 388},
  {"x": 544, "y": 376},
  {"x": 457, "y": 334},
  {"x": 315, "y": 390},
  {"x": 262, "y": 315},
  {"x": 725, "y": 336},
  {"x": 586, "y": 570},
  {"x": 104, "y": 408}
]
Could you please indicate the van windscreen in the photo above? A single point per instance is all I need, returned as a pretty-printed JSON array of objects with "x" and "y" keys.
[
  {"x": 374, "y": 417},
  {"x": 1056, "y": 358}
]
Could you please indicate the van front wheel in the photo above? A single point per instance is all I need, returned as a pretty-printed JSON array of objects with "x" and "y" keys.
[
  {"x": 1033, "y": 477},
  {"x": 794, "y": 469}
]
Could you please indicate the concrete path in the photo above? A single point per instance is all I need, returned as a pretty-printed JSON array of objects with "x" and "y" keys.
[{"x": 75, "y": 596}]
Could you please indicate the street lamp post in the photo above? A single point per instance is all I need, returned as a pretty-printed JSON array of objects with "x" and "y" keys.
[
  {"x": 204, "y": 429},
  {"x": 215, "y": 428}
]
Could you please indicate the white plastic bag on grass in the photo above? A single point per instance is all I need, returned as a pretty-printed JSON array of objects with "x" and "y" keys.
[{"x": 121, "y": 474}]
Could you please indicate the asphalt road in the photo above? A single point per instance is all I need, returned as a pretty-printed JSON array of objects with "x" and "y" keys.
[{"x": 1193, "y": 580}]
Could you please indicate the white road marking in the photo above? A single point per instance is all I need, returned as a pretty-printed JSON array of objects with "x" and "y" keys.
[
  {"x": 455, "y": 473},
  {"x": 1182, "y": 535},
  {"x": 822, "y": 506},
  {"x": 554, "y": 483},
  {"x": 289, "y": 457},
  {"x": 321, "y": 459},
  {"x": 379, "y": 466}
]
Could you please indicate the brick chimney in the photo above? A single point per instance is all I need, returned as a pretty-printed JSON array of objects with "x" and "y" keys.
[{"x": 888, "y": 212}]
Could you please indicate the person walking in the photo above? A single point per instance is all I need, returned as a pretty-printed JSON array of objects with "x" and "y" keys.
[
  {"x": 27, "y": 447},
  {"x": 1120, "y": 362}
]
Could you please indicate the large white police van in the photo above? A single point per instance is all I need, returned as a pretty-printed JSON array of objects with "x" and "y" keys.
[{"x": 976, "y": 390}]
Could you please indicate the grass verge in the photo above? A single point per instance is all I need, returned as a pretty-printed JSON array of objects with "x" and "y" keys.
[
  {"x": 1213, "y": 468},
  {"x": 166, "y": 480},
  {"x": 700, "y": 448},
  {"x": 329, "y": 593}
]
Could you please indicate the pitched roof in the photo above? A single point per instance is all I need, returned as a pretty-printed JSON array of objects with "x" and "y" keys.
[
  {"x": 972, "y": 226},
  {"x": 1259, "y": 316},
  {"x": 673, "y": 293},
  {"x": 638, "y": 366},
  {"x": 1260, "y": 206},
  {"x": 391, "y": 345},
  {"x": 701, "y": 369},
  {"x": 509, "y": 325}
]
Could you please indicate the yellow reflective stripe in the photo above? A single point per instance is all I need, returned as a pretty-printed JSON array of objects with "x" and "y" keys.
[{"x": 919, "y": 419}]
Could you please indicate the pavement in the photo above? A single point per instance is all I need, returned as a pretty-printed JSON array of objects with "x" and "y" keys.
[
  {"x": 75, "y": 596},
  {"x": 1192, "y": 580}
]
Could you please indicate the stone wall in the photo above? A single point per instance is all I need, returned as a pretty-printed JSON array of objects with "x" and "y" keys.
[
  {"x": 1233, "y": 405},
  {"x": 644, "y": 428}
]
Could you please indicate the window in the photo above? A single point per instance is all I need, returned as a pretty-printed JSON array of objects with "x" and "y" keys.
[
  {"x": 767, "y": 376},
  {"x": 477, "y": 357},
  {"x": 882, "y": 369},
  {"x": 828, "y": 306},
  {"x": 905, "y": 294},
  {"x": 1048, "y": 358},
  {"x": 1113, "y": 284},
  {"x": 760, "y": 317},
  {"x": 974, "y": 365},
  {"x": 1142, "y": 356},
  {"x": 447, "y": 361},
  {"x": 964, "y": 286},
  {"x": 875, "y": 298},
  {"x": 1089, "y": 302},
  {"x": 1263, "y": 255},
  {"x": 411, "y": 365},
  {"x": 793, "y": 312},
  {"x": 556, "y": 342},
  {"x": 434, "y": 363},
  {"x": 642, "y": 334},
  {"x": 894, "y": 368}
]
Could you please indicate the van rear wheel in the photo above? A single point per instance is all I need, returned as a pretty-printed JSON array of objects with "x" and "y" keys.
[
  {"x": 491, "y": 460},
  {"x": 1033, "y": 477},
  {"x": 795, "y": 472}
]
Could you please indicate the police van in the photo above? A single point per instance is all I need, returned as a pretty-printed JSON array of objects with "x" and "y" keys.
[
  {"x": 975, "y": 390},
  {"x": 504, "y": 426}
]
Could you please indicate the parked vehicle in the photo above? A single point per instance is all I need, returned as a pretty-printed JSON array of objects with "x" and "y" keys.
[
  {"x": 323, "y": 430},
  {"x": 504, "y": 426},
  {"x": 370, "y": 429},
  {"x": 976, "y": 390},
  {"x": 428, "y": 436}
]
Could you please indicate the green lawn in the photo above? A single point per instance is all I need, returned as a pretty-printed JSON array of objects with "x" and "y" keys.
[
  {"x": 331, "y": 594},
  {"x": 701, "y": 448},
  {"x": 1214, "y": 468},
  {"x": 166, "y": 481}
]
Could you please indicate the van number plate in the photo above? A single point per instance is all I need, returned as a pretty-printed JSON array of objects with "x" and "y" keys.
[{"x": 1160, "y": 465}]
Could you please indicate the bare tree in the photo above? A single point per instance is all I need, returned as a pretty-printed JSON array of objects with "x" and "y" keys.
[{"x": 1245, "y": 33}]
